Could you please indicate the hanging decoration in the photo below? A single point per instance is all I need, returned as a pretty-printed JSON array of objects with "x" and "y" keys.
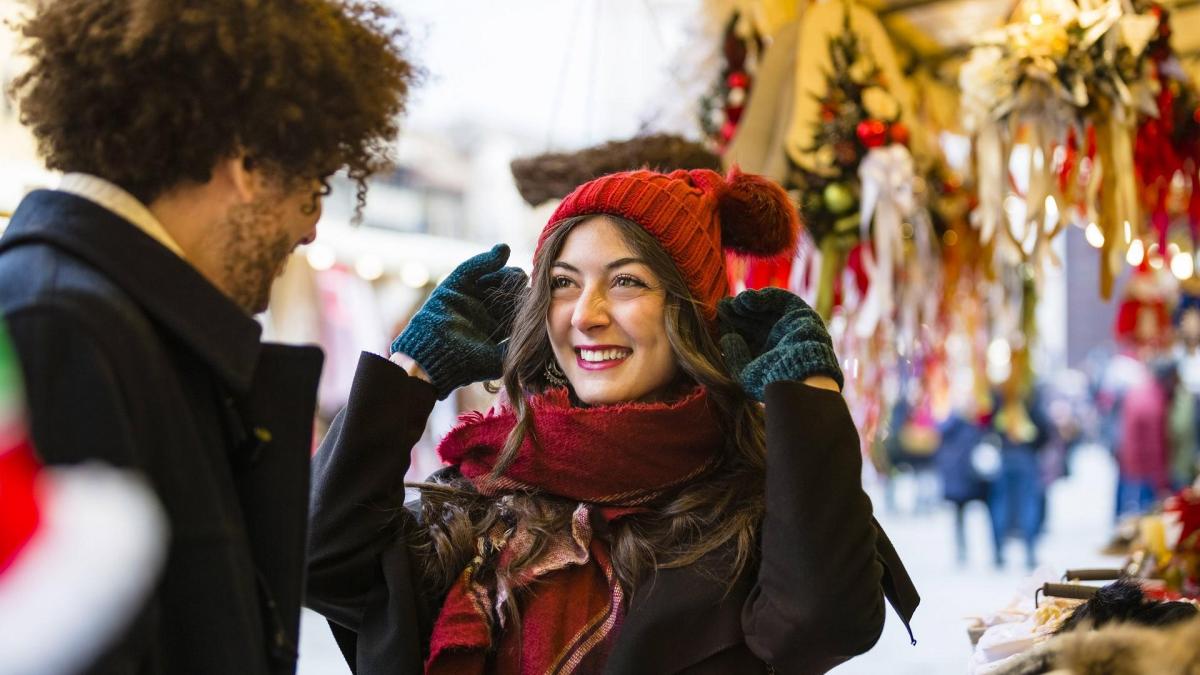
[
  {"x": 721, "y": 109},
  {"x": 1076, "y": 113},
  {"x": 721, "y": 113},
  {"x": 857, "y": 118},
  {"x": 1060, "y": 72},
  {"x": 828, "y": 116},
  {"x": 1166, "y": 156}
]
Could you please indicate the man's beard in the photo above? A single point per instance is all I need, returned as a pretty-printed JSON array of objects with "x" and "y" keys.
[{"x": 254, "y": 254}]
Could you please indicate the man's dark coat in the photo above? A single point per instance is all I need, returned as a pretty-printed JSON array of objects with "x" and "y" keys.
[{"x": 131, "y": 357}]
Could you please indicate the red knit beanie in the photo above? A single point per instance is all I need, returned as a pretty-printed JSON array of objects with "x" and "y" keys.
[{"x": 695, "y": 215}]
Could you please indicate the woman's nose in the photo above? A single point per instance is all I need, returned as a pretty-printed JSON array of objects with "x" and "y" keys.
[{"x": 591, "y": 311}]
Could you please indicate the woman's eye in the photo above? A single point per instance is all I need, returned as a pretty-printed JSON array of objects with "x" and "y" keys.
[
  {"x": 559, "y": 282},
  {"x": 627, "y": 281}
]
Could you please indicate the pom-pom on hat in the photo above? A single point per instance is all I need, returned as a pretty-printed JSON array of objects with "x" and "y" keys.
[{"x": 696, "y": 216}]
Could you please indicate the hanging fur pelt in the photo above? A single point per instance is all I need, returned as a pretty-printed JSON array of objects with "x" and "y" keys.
[
  {"x": 1129, "y": 649},
  {"x": 1123, "y": 601},
  {"x": 554, "y": 175}
]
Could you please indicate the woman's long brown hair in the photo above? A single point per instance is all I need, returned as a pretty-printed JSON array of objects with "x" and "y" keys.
[{"x": 725, "y": 506}]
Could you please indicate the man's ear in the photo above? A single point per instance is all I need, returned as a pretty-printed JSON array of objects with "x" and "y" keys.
[{"x": 240, "y": 173}]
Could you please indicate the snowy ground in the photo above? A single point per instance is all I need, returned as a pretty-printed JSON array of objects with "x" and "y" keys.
[
  {"x": 1080, "y": 509},
  {"x": 1079, "y": 524}
]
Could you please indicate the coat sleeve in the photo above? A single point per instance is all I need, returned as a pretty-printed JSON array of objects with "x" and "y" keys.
[
  {"x": 356, "y": 512},
  {"x": 818, "y": 599}
]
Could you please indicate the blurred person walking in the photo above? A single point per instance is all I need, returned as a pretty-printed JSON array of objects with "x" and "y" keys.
[
  {"x": 1143, "y": 447},
  {"x": 1184, "y": 421},
  {"x": 962, "y": 480},
  {"x": 1133, "y": 388},
  {"x": 1017, "y": 497},
  {"x": 197, "y": 137},
  {"x": 911, "y": 444}
]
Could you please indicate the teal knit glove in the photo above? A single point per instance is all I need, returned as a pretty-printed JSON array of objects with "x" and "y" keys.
[
  {"x": 457, "y": 334},
  {"x": 771, "y": 335}
]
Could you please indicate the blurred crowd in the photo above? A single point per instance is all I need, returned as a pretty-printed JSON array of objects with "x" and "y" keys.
[{"x": 1005, "y": 449}]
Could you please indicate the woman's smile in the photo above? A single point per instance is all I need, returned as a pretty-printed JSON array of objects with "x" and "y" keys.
[{"x": 601, "y": 357}]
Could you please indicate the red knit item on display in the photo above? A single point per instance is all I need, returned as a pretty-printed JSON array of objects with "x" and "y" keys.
[{"x": 696, "y": 216}]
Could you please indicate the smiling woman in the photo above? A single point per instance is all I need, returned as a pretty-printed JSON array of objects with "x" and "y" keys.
[
  {"x": 607, "y": 321},
  {"x": 644, "y": 501}
]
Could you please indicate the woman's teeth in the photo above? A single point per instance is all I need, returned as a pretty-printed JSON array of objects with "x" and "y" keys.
[{"x": 596, "y": 356}]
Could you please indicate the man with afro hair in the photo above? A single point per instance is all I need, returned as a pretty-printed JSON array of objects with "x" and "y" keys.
[{"x": 196, "y": 139}]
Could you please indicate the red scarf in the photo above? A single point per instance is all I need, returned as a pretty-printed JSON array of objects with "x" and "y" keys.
[{"x": 615, "y": 457}]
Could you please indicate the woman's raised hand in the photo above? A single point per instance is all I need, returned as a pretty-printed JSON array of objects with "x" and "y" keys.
[
  {"x": 771, "y": 335},
  {"x": 457, "y": 334}
]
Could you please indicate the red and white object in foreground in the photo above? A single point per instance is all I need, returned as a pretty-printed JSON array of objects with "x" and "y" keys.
[{"x": 80, "y": 549}]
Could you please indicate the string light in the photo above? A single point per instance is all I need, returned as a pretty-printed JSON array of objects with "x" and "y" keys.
[
  {"x": 320, "y": 257},
  {"x": 1136, "y": 253},
  {"x": 414, "y": 274},
  {"x": 1052, "y": 214},
  {"x": 1182, "y": 265},
  {"x": 369, "y": 267}
]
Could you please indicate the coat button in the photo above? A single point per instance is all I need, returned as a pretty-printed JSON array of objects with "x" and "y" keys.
[{"x": 262, "y": 438}]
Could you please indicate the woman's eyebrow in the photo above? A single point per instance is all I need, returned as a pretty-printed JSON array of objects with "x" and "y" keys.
[{"x": 620, "y": 262}]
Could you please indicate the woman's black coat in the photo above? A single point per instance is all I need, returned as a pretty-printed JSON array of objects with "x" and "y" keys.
[{"x": 815, "y": 599}]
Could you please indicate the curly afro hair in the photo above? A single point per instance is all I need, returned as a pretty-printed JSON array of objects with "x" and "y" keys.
[{"x": 152, "y": 93}]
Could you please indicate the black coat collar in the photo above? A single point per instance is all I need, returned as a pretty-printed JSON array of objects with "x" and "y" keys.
[{"x": 172, "y": 292}]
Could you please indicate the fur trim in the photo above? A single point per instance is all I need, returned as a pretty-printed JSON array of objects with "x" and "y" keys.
[{"x": 757, "y": 216}]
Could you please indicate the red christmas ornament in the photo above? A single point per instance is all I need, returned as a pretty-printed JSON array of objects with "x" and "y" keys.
[
  {"x": 899, "y": 133},
  {"x": 727, "y": 130},
  {"x": 872, "y": 133},
  {"x": 738, "y": 79}
]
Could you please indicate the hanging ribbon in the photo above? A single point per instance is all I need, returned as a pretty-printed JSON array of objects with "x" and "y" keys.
[
  {"x": 1118, "y": 191},
  {"x": 887, "y": 176}
]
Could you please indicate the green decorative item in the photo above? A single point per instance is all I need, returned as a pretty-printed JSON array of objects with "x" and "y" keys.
[{"x": 838, "y": 198}]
